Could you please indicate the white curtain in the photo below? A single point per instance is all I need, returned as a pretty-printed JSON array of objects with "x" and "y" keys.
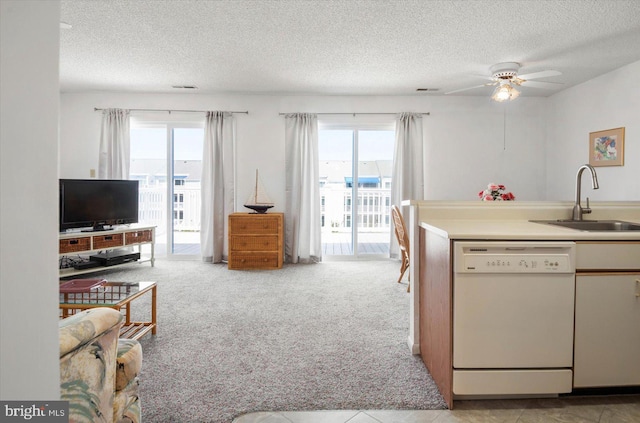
[
  {"x": 218, "y": 189},
  {"x": 302, "y": 212},
  {"x": 408, "y": 165},
  {"x": 113, "y": 162}
]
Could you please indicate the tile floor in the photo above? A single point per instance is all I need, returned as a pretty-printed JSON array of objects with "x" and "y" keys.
[{"x": 585, "y": 409}]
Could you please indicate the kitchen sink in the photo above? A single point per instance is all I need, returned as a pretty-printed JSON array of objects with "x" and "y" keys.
[{"x": 593, "y": 225}]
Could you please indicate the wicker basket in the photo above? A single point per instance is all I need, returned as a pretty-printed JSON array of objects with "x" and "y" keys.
[
  {"x": 137, "y": 237},
  {"x": 71, "y": 245},
  {"x": 107, "y": 241}
]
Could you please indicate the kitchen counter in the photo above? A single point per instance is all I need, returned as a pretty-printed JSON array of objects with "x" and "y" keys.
[
  {"x": 436, "y": 227},
  {"x": 516, "y": 229},
  {"x": 510, "y": 220}
]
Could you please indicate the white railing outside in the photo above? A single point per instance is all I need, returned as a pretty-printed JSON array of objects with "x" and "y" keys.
[
  {"x": 152, "y": 208},
  {"x": 373, "y": 208},
  {"x": 189, "y": 205}
]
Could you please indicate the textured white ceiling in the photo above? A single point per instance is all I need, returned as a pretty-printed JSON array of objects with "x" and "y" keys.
[{"x": 338, "y": 47}]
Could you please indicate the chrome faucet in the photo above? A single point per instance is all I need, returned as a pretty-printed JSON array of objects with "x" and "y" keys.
[{"x": 578, "y": 210}]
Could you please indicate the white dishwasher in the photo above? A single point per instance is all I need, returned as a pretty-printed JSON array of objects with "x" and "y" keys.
[{"x": 513, "y": 308}]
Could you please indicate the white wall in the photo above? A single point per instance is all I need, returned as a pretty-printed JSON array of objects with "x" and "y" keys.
[
  {"x": 471, "y": 141},
  {"x": 609, "y": 101},
  {"x": 464, "y": 136},
  {"x": 29, "y": 108}
]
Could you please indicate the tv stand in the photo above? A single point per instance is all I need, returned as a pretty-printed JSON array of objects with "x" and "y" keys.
[{"x": 84, "y": 244}]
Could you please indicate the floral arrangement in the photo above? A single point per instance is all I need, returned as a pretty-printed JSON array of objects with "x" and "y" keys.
[{"x": 496, "y": 192}]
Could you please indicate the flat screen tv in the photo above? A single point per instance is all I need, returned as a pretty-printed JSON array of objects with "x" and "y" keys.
[{"x": 97, "y": 204}]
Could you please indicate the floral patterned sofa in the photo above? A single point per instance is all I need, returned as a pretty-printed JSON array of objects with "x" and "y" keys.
[{"x": 98, "y": 371}]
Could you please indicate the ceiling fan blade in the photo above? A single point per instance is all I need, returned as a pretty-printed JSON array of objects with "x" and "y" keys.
[
  {"x": 489, "y": 78},
  {"x": 540, "y": 84},
  {"x": 542, "y": 74},
  {"x": 469, "y": 88}
]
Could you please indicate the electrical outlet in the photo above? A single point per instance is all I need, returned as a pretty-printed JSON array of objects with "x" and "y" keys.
[{"x": 92, "y": 173}]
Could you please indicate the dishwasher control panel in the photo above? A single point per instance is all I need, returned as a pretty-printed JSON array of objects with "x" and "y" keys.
[
  {"x": 517, "y": 263},
  {"x": 487, "y": 257}
]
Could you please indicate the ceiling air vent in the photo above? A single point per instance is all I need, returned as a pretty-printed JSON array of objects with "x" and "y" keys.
[
  {"x": 184, "y": 87},
  {"x": 428, "y": 89}
]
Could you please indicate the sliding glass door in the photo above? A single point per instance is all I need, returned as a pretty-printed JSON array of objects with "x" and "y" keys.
[
  {"x": 167, "y": 160},
  {"x": 355, "y": 189}
]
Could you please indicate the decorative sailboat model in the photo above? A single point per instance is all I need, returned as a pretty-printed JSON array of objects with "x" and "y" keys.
[{"x": 259, "y": 201}]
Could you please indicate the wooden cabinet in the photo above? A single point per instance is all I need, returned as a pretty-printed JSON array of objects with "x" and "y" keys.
[
  {"x": 75, "y": 247},
  {"x": 607, "y": 339},
  {"x": 435, "y": 290},
  {"x": 607, "y": 320},
  {"x": 256, "y": 241}
]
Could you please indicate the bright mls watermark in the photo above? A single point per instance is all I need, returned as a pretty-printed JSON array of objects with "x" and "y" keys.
[{"x": 34, "y": 411}]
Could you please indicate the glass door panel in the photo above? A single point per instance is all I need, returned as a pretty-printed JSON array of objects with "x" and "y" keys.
[
  {"x": 187, "y": 170},
  {"x": 335, "y": 149},
  {"x": 148, "y": 165},
  {"x": 375, "y": 160}
]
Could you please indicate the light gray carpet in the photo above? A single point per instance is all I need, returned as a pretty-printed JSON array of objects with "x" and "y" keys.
[{"x": 308, "y": 337}]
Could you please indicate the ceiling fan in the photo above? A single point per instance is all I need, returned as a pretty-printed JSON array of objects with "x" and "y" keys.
[{"x": 505, "y": 77}]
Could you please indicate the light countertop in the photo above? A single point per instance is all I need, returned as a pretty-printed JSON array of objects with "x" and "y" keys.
[
  {"x": 518, "y": 230},
  {"x": 511, "y": 220}
]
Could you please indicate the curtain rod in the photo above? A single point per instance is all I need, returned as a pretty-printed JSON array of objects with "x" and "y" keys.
[
  {"x": 95, "y": 109},
  {"x": 360, "y": 113}
]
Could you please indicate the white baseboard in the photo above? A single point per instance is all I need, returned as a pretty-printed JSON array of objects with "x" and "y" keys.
[{"x": 413, "y": 347}]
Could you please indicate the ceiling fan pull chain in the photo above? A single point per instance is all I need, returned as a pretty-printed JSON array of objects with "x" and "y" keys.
[{"x": 504, "y": 128}]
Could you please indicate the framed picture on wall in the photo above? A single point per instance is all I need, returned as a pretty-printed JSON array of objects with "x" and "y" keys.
[{"x": 606, "y": 148}]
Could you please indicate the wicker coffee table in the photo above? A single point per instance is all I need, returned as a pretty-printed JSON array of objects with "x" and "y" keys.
[{"x": 116, "y": 295}]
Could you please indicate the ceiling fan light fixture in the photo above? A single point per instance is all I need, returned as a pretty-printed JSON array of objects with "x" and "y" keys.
[{"x": 504, "y": 92}]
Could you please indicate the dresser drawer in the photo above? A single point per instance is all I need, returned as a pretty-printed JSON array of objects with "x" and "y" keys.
[
  {"x": 254, "y": 225},
  {"x": 107, "y": 241},
  {"x": 71, "y": 245},
  {"x": 243, "y": 260},
  {"x": 254, "y": 243}
]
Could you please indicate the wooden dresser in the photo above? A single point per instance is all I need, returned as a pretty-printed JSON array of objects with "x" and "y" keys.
[{"x": 256, "y": 241}]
